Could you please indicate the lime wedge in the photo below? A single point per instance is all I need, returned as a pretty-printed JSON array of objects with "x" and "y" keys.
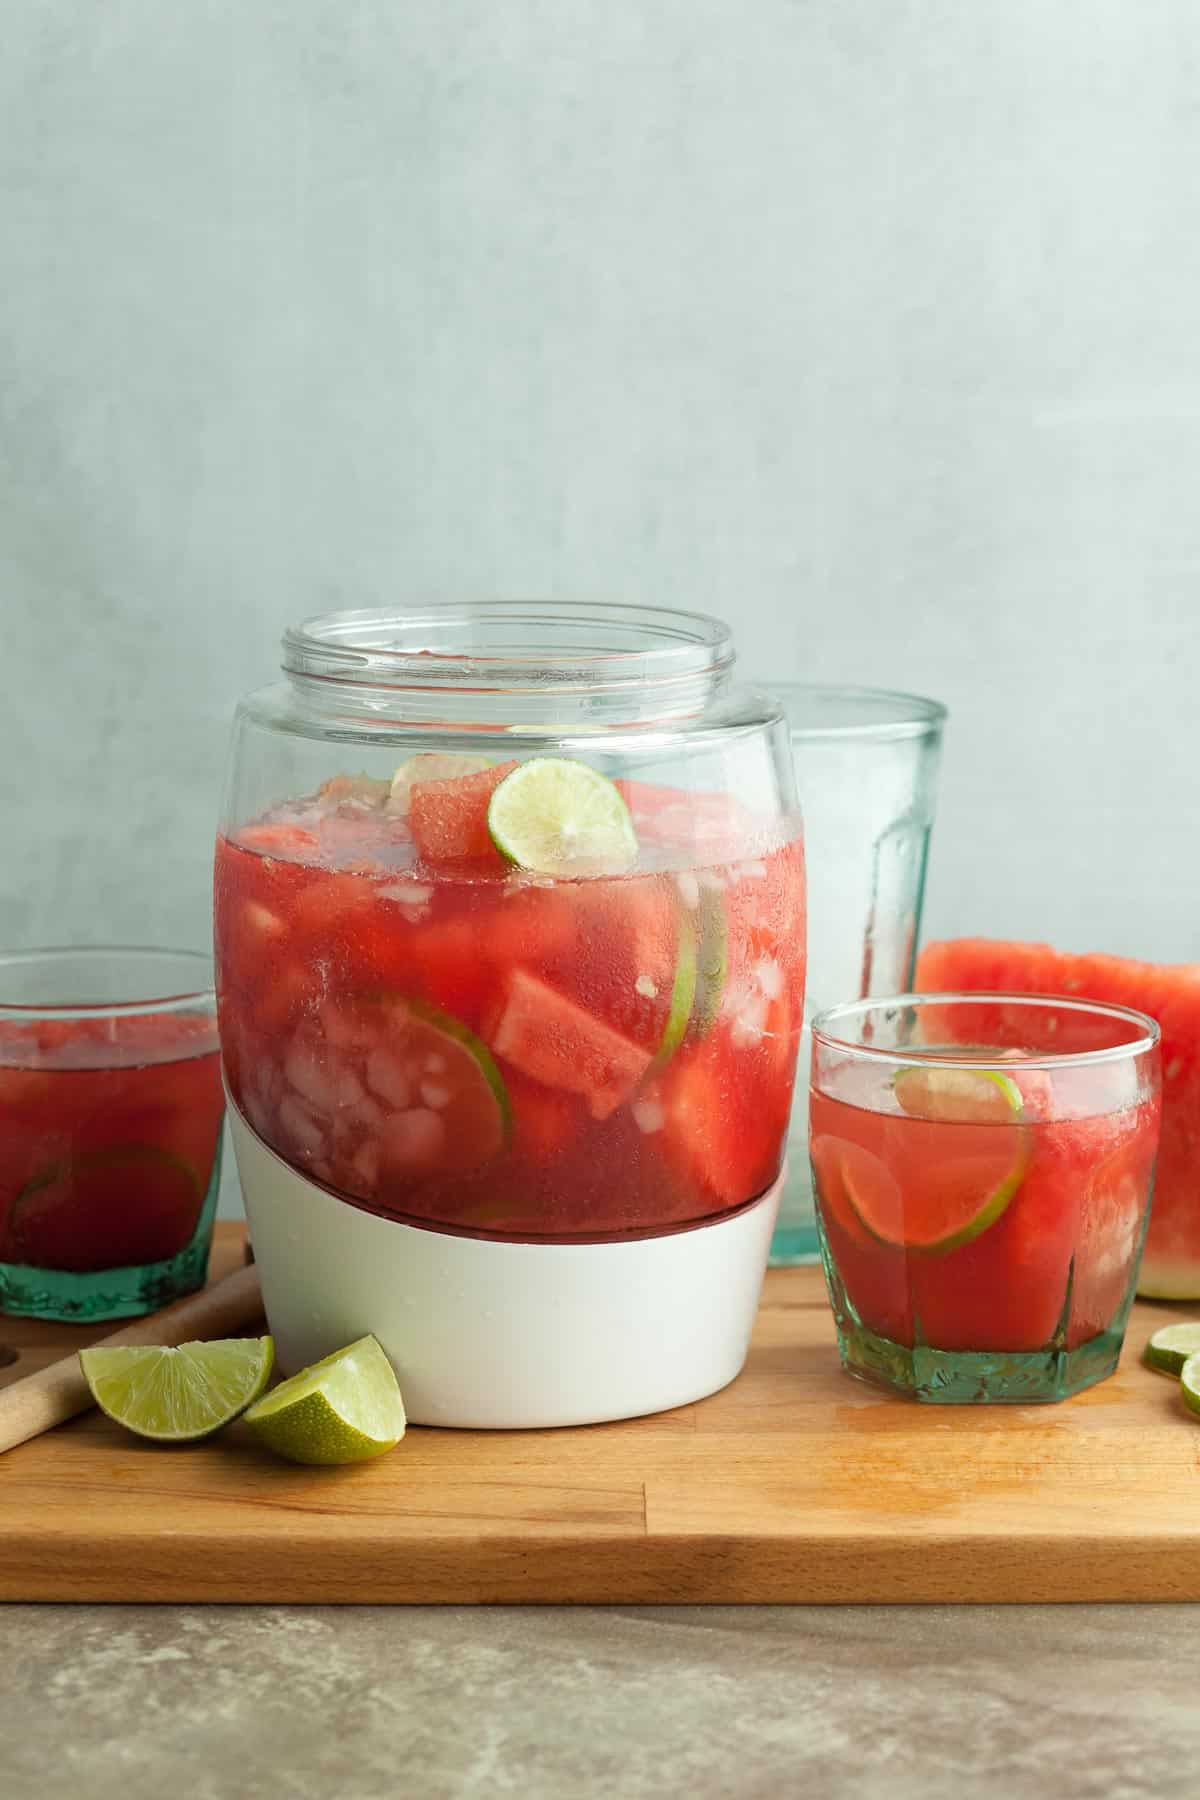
[
  {"x": 560, "y": 817},
  {"x": 1171, "y": 1346},
  {"x": 431, "y": 765},
  {"x": 177, "y": 1395},
  {"x": 344, "y": 1409},
  {"x": 1189, "y": 1384},
  {"x": 961, "y": 1096}
]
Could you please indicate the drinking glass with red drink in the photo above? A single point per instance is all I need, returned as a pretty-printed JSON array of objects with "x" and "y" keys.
[
  {"x": 983, "y": 1170},
  {"x": 110, "y": 1130}
]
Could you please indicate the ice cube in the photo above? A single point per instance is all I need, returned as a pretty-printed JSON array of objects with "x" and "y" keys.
[
  {"x": 408, "y": 893},
  {"x": 749, "y": 1014},
  {"x": 299, "y": 1127},
  {"x": 649, "y": 1115},
  {"x": 386, "y": 1076},
  {"x": 343, "y": 1029},
  {"x": 258, "y": 1109},
  {"x": 315, "y": 1084},
  {"x": 415, "y": 1139},
  {"x": 769, "y": 977},
  {"x": 689, "y": 888},
  {"x": 262, "y": 922},
  {"x": 366, "y": 1163},
  {"x": 434, "y": 1095},
  {"x": 348, "y": 1089}
]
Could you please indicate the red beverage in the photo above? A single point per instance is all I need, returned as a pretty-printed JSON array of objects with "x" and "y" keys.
[
  {"x": 990, "y": 1211},
  {"x": 440, "y": 1038},
  {"x": 110, "y": 1122}
]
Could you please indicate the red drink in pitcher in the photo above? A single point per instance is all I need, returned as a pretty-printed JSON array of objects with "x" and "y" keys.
[
  {"x": 439, "y": 1037},
  {"x": 510, "y": 1019}
]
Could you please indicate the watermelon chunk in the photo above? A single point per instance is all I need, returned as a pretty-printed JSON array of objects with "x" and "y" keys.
[
  {"x": 1170, "y": 993},
  {"x": 546, "y": 1036},
  {"x": 448, "y": 819}
]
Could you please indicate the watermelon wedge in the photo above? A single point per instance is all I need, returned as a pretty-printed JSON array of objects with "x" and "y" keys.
[
  {"x": 1170, "y": 993},
  {"x": 547, "y": 1037}
]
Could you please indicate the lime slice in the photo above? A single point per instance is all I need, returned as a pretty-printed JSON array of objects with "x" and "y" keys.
[
  {"x": 1172, "y": 1345},
  {"x": 959, "y": 1096},
  {"x": 713, "y": 961},
  {"x": 344, "y": 1409},
  {"x": 560, "y": 817},
  {"x": 431, "y": 765},
  {"x": 948, "y": 1205},
  {"x": 942, "y": 1184},
  {"x": 453, "y": 1074},
  {"x": 1189, "y": 1384},
  {"x": 177, "y": 1395},
  {"x": 683, "y": 995}
]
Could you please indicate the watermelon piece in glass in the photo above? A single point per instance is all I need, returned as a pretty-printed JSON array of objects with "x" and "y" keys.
[{"x": 1170, "y": 994}]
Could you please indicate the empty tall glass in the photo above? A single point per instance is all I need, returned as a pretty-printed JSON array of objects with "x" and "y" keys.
[{"x": 866, "y": 771}]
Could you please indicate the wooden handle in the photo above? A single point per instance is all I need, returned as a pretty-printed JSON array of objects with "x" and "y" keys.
[{"x": 36, "y": 1402}]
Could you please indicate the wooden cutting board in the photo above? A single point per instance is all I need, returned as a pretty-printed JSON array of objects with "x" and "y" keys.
[{"x": 795, "y": 1484}]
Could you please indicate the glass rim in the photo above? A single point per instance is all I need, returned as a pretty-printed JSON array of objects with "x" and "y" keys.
[
  {"x": 177, "y": 1000},
  {"x": 921, "y": 716},
  {"x": 1149, "y": 1039},
  {"x": 365, "y": 647}
]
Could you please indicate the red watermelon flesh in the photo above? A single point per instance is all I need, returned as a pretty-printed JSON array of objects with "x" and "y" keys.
[
  {"x": 449, "y": 819},
  {"x": 1170, "y": 993}
]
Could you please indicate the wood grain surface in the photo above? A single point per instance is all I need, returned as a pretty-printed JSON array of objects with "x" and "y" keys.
[{"x": 794, "y": 1484}]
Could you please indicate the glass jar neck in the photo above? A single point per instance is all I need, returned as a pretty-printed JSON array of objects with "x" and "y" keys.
[{"x": 511, "y": 662}]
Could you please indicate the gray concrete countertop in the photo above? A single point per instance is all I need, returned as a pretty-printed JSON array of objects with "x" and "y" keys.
[{"x": 356, "y": 1703}]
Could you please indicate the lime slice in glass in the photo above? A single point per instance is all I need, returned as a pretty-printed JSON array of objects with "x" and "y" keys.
[
  {"x": 944, "y": 1182},
  {"x": 560, "y": 817},
  {"x": 1171, "y": 1345},
  {"x": 431, "y": 765},
  {"x": 344, "y": 1409},
  {"x": 177, "y": 1395},
  {"x": 1189, "y": 1384},
  {"x": 960, "y": 1096}
]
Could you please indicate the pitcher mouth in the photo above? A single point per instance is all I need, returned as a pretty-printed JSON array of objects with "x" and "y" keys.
[{"x": 514, "y": 646}]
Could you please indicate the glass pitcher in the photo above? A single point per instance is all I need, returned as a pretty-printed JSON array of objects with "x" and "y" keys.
[{"x": 510, "y": 941}]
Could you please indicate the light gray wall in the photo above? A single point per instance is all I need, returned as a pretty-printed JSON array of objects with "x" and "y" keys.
[{"x": 870, "y": 324}]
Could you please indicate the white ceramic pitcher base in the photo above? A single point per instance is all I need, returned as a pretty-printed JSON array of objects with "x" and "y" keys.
[{"x": 490, "y": 1334}]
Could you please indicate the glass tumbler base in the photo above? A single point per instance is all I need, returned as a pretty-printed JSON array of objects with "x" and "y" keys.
[
  {"x": 79, "y": 1298},
  {"x": 959, "y": 1377}
]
